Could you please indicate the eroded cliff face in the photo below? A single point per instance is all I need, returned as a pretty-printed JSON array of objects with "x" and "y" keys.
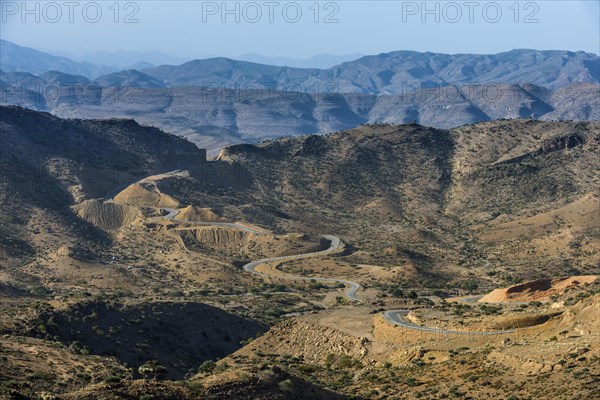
[{"x": 218, "y": 236}]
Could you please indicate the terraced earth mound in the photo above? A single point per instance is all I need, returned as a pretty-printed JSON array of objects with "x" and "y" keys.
[
  {"x": 193, "y": 213},
  {"x": 106, "y": 215},
  {"x": 146, "y": 195}
]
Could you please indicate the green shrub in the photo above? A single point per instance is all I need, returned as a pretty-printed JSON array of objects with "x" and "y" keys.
[
  {"x": 152, "y": 369},
  {"x": 207, "y": 366},
  {"x": 286, "y": 386},
  {"x": 112, "y": 379}
]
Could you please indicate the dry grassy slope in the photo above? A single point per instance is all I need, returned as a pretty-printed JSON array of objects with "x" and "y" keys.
[
  {"x": 437, "y": 197},
  {"x": 373, "y": 185},
  {"x": 581, "y": 215},
  {"x": 313, "y": 342},
  {"x": 39, "y": 366},
  {"x": 40, "y": 369},
  {"x": 38, "y": 142},
  {"x": 530, "y": 189},
  {"x": 350, "y": 169},
  {"x": 228, "y": 241}
]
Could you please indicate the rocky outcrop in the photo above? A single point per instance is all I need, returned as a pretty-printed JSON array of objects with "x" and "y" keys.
[
  {"x": 521, "y": 365},
  {"x": 550, "y": 146},
  {"x": 311, "y": 341}
]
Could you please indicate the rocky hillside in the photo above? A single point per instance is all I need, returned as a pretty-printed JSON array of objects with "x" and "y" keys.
[
  {"x": 487, "y": 201},
  {"x": 99, "y": 287},
  {"x": 447, "y": 197}
]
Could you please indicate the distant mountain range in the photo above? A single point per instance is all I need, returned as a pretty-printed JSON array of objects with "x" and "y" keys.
[
  {"x": 15, "y": 58},
  {"x": 317, "y": 61},
  {"x": 212, "y": 117},
  {"x": 219, "y": 101},
  {"x": 392, "y": 73},
  {"x": 385, "y": 74},
  {"x": 130, "y": 59}
]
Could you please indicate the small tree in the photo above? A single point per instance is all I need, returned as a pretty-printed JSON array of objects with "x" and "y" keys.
[
  {"x": 207, "y": 366},
  {"x": 152, "y": 369}
]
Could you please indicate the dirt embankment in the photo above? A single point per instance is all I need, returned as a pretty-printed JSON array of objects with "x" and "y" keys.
[
  {"x": 539, "y": 290},
  {"x": 522, "y": 321},
  {"x": 107, "y": 216},
  {"x": 562, "y": 342},
  {"x": 583, "y": 318}
]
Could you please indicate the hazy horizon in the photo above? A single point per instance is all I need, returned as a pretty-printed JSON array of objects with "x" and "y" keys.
[{"x": 303, "y": 30}]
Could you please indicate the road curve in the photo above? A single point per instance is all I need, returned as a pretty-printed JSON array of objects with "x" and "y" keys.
[
  {"x": 334, "y": 241},
  {"x": 398, "y": 317},
  {"x": 335, "y": 244},
  {"x": 395, "y": 317}
]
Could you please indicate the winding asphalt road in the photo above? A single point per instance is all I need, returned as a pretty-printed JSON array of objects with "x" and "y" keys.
[
  {"x": 398, "y": 317},
  {"x": 335, "y": 244},
  {"x": 395, "y": 317}
]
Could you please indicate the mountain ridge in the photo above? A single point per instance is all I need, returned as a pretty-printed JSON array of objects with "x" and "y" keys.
[
  {"x": 384, "y": 73},
  {"x": 389, "y": 73}
]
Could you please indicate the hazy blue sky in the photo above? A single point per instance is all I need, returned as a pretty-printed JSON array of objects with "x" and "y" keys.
[{"x": 195, "y": 28}]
